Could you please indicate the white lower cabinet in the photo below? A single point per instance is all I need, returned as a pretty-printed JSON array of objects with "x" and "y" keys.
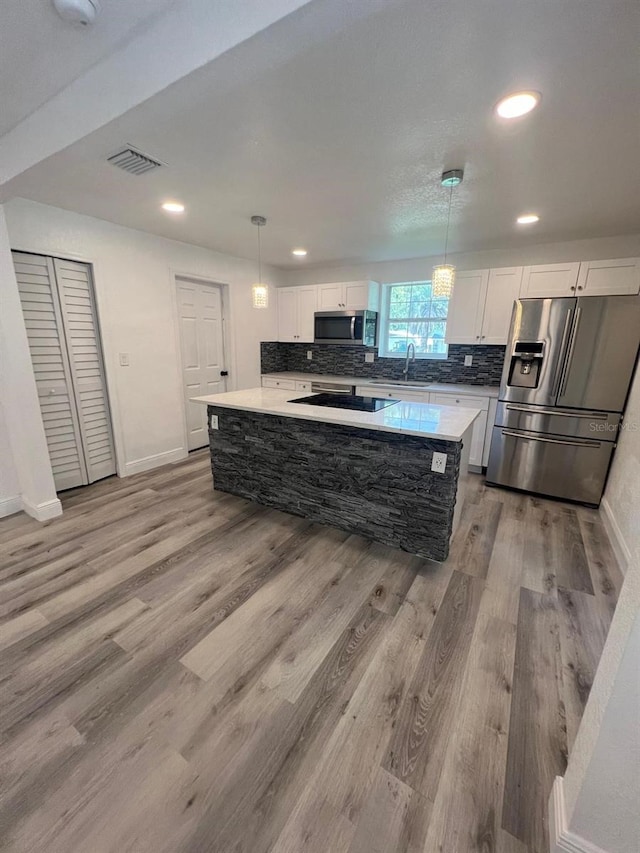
[
  {"x": 476, "y": 454},
  {"x": 393, "y": 393},
  {"x": 286, "y": 384},
  {"x": 282, "y": 384}
]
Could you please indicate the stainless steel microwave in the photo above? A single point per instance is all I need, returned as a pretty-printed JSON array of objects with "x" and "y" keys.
[{"x": 355, "y": 328}]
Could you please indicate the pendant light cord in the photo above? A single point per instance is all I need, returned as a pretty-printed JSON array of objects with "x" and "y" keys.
[
  {"x": 446, "y": 239},
  {"x": 259, "y": 258}
]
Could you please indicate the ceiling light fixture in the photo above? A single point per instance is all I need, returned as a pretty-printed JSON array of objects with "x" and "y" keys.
[
  {"x": 259, "y": 291},
  {"x": 528, "y": 219},
  {"x": 518, "y": 104},
  {"x": 173, "y": 207},
  {"x": 443, "y": 275},
  {"x": 299, "y": 253}
]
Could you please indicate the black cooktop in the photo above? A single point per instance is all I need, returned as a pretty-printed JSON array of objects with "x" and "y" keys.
[{"x": 347, "y": 401}]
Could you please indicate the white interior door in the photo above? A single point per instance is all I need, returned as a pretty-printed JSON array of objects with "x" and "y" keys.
[
  {"x": 202, "y": 344},
  {"x": 62, "y": 327},
  {"x": 80, "y": 323},
  {"x": 36, "y": 283}
]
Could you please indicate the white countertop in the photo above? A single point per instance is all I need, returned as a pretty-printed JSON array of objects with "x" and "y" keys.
[
  {"x": 442, "y": 387},
  {"x": 448, "y": 423}
]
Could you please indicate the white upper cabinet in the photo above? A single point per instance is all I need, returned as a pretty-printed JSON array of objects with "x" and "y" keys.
[
  {"x": 589, "y": 278},
  {"x": 307, "y": 305},
  {"x": 503, "y": 288},
  {"x": 287, "y": 314},
  {"x": 550, "y": 280},
  {"x": 330, "y": 296},
  {"x": 296, "y": 306},
  {"x": 609, "y": 278},
  {"x": 466, "y": 307},
  {"x": 348, "y": 295},
  {"x": 481, "y": 305}
]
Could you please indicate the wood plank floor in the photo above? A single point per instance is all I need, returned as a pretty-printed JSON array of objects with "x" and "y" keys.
[{"x": 183, "y": 671}]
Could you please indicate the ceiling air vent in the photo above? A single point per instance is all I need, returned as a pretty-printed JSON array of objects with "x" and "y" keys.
[{"x": 133, "y": 161}]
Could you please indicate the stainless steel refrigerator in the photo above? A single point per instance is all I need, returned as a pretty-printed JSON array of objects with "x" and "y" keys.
[{"x": 566, "y": 377}]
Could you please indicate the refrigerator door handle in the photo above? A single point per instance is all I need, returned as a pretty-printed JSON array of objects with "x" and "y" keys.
[
  {"x": 563, "y": 345},
  {"x": 547, "y": 440},
  {"x": 569, "y": 359},
  {"x": 592, "y": 416}
]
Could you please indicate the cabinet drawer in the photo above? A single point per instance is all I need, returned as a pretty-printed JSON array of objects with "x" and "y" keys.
[
  {"x": 392, "y": 393},
  {"x": 302, "y": 386},
  {"x": 460, "y": 400},
  {"x": 283, "y": 384}
]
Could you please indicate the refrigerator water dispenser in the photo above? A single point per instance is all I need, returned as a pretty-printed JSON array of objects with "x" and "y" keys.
[{"x": 526, "y": 364}]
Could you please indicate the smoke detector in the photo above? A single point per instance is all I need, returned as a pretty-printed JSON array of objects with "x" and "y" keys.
[{"x": 81, "y": 12}]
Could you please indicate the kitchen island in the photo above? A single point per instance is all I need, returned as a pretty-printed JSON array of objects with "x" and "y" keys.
[{"x": 369, "y": 473}]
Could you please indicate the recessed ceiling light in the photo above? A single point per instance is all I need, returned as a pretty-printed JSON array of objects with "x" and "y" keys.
[
  {"x": 299, "y": 253},
  {"x": 518, "y": 104},
  {"x": 527, "y": 219},
  {"x": 173, "y": 207}
]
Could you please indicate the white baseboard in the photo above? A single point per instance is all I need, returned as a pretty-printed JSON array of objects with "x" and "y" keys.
[
  {"x": 561, "y": 839},
  {"x": 620, "y": 548},
  {"x": 10, "y": 505},
  {"x": 149, "y": 462},
  {"x": 43, "y": 511}
]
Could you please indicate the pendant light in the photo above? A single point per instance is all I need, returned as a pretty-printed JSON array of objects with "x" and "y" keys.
[
  {"x": 259, "y": 291},
  {"x": 443, "y": 275}
]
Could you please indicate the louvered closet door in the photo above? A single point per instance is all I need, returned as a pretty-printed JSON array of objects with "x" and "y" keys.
[
  {"x": 36, "y": 283},
  {"x": 80, "y": 321}
]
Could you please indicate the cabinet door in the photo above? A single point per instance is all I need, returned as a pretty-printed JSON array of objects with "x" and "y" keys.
[
  {"x": 609, "y": 278},
  {"x": 550, "y": 280},
  {"x": 356, "y": 295},
  {"x": 287, "y": 314},
  {"x": 330, "y": 296},
  {"x": 477, "y": 440},
  {"x": 464, "y": 321},
  {"x": 307, "y": 301},
  {"x": 503, "y": 289},
  {"x": 479, "y": 425}
]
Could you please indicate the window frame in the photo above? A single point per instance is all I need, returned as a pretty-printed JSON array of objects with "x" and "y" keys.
[{"x": 386, "y": 320}]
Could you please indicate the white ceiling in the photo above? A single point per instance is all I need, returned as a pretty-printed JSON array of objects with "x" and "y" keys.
[
  {"x": 337, "y": 121},
  {"x": 40, "y": 53}
]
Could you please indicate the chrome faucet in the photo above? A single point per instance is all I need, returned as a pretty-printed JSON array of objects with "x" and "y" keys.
[{"x": 411, "y": 349}]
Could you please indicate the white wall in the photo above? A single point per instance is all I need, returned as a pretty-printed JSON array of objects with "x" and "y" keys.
[
  {"x": 415, "y": 269},
  {"x": 25, "y": 447},
  {"x": 621, "y": 503},
  {"x": 607, "y": 811},
  {"x": 10, "y": 500},
  {"x": 602, "y": 784},
  {"x": 135, "y": 290}
]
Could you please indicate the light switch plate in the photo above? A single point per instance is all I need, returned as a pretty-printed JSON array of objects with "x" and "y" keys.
[
  {"x": 214, "y": 422},
  {"x": 468, "y": 360},
  {"x": 124, "y": 359},
  {"x": 368, "y": 357},
  {"x": 309, "y": 355},
  {"x": 439, "y": 462}
]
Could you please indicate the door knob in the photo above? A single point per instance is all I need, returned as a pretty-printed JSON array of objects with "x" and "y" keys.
[{"x": 224, "y": 373}]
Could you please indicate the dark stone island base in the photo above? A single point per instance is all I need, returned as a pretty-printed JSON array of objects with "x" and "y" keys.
[{"x": 373, "y": 483}]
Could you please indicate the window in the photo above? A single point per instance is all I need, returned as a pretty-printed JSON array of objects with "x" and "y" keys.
[{"x": 413, "y": 316}]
